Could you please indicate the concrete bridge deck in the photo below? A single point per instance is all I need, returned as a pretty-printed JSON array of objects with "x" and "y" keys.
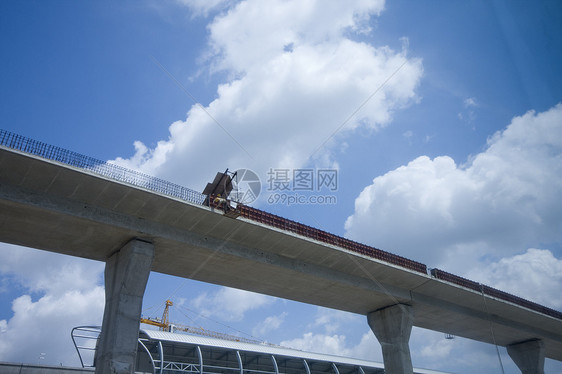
[{"x": 55, "y": 207}]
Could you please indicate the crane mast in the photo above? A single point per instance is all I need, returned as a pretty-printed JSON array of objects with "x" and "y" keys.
[{"x": 165, "y": 325}]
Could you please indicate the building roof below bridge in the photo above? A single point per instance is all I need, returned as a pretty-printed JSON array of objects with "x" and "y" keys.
[{"x": 183, "y": 349}]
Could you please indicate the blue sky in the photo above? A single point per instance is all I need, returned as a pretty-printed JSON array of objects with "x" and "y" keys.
[{"x": 441, "y": 118}]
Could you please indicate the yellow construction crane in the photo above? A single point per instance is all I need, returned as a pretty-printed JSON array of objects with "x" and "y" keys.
[{"x": 165, "y": 325}]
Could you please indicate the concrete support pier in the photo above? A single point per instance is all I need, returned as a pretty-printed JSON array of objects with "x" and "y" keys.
[
  {"x": 392, "y": 327},
  {"x": 126, "y": 275},
  {"x": 528, "y": 356}
]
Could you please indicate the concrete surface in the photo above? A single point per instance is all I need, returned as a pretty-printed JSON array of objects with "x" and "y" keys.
[
  {"x": 528, "y": 356},
  {"x": 55, "y": 207},
  {"x": 392, "y": 327},
  {"x": 126, "y": 274}
]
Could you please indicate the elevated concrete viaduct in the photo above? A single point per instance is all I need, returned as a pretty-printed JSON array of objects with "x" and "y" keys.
[{"x": 52, "y": 206}]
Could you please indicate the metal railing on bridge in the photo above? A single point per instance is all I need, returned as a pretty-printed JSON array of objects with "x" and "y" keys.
[{"x": 103, "y": 168}]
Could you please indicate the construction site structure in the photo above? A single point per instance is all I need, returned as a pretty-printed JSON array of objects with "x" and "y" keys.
[{"x": 165, "y": 325}]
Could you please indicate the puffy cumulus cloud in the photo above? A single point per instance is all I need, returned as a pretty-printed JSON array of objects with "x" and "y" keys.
[
  {"x": 70, "y": 295},
  {"x": 263, "y": 30},
  {"x": 295, "y": 77},
  {"x": 535, "y": 275},
  {"x": 504, "y": 200},
  {"x": 475, "y": 220},
  {"x": 429, "y": 346},
  {"x": 44, "y": 326},
  {"x": 41, "y": 271},
  {"x": 337, "y": 332},
  {"x": 368, "y": 348},
  {"x": 230, "y": 304},
  {"x": 430, "y": 349},
  {"x": 269, "y": 324},
  {"x": 331, "y": 320},
  {"x": 319, "y": 343}
]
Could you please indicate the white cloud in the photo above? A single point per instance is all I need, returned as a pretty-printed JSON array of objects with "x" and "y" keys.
[
  {"x": 204, "y": 7},
  {"x": 230, "y": 304},
  {"x": 281, "y": 104},
  {"x": 476, "y": 220},
  {"x": 42, "y": 271},
  {"x": 468, "y": 113},
  {"x": 269, "y": 324},
  {"x": 70, "y": 295},
  {"x": 431, "y": 345},
  {"x": 45, "y": 325},
  {"x": 506, "y": 199},
  {"x": 331, "y": 320},
  {"x": 264, "y": 29},
  {"x": 319, "y": 343},
  {"x": 470, "y": 102},
  {"x": 430, "y": 349},
  {"x": 368, "y": 348},
  {"x": 535, "y": 275}
]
